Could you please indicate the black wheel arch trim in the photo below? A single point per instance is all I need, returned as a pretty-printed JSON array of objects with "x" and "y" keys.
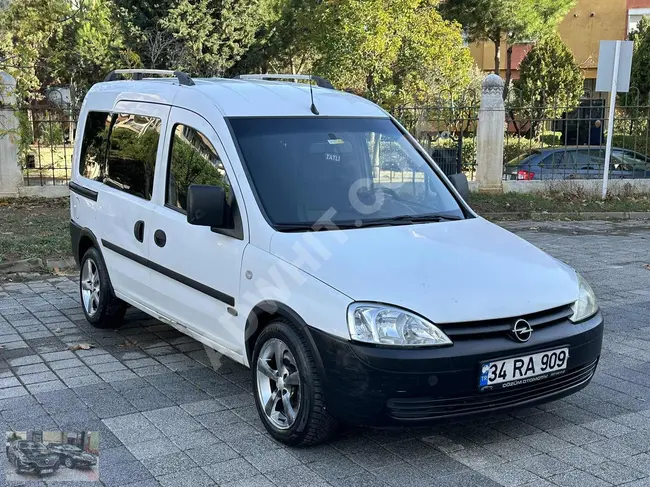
[
  {"x": 214, "y": 293},
  {"x": 91, "y": 194},
  {"x": 280, "y": 309},
  {"x": 77, "y": 233}
]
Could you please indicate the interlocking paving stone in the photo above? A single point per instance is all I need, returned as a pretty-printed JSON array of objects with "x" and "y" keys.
[
  {"x": 187, "y": 478},
  {"x": 192, "y": 424},
  {"x": 577, "y": 478},
  {"x": 205, "y": 455}
]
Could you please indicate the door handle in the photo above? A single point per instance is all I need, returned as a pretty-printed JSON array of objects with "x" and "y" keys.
[
  {"x": 160, "y": 238},
  {"x": 138, "y": 230}
]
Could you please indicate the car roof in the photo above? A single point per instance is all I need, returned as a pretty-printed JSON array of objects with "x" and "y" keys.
[{"x": 235, "y": 97}]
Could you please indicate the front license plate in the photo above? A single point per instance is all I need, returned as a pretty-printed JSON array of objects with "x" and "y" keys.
[
  {"x": 47, "y": 470},
  {"x": 523, "y": 370}
]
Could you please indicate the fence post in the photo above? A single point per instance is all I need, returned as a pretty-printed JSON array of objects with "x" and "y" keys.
[
  {"x": 10, "y": 172},
  {"x": 490, "y": 136}
]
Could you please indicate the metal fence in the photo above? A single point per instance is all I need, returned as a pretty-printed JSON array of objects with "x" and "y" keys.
[
  {"x": 543, "y": 139},
  {"x": 446, "y": 128},
  {"x": 549, "y": 139},
  {"x": 45, "y": 140}
]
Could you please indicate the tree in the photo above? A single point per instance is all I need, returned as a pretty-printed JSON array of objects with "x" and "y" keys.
[
  {"x": 514, "y": 21},
  {"x": 50, "y": 42},
  {"x": 140, "y": 22},
  {"x": 396, "y": 53},
  {"x": 639, "y": 78},
  {"x": 550, "y": 82},
  {"x": 215, "y": 33}
]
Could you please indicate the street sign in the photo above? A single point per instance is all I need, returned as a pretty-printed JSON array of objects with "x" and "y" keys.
[
  {"x": 606, "y": 62},
  {"x": 614, "y": 67}
]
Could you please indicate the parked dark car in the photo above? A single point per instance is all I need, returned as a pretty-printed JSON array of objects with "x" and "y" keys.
[
  {"x": 72, "y": 456},
  {"x": 32, "y": 456},
  {"x": 577, "y": 163}
]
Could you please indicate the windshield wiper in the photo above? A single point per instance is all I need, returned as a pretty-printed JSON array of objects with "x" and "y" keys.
[
  {"x": 312, "y": 227},
  {"x": 406, "y": 219}
]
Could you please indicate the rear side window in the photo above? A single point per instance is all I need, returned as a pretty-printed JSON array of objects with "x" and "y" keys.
[
  {"x": 192, "y": 160},
  {"x": 93, "y": 146},
  {"x": 132, "y": 154}
]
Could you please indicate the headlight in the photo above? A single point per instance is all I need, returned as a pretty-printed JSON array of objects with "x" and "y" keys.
[
  {"x": 385, "y": 325},
  {"x": 585, "y": 307}
]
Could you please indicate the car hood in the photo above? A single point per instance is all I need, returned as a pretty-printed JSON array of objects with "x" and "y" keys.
[
  {"x": 449, "y": 272},
  {"x": 39, "y": 456}
]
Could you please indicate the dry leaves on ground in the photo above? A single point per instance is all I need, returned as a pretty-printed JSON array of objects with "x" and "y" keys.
[{"x": 80, "y": 346}]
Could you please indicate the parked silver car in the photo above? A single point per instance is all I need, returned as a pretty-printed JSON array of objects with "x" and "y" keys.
[{"x": 577, "y": 163}]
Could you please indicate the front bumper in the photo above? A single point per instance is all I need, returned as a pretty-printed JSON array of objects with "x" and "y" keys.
[{"x": 381, "y": 386}]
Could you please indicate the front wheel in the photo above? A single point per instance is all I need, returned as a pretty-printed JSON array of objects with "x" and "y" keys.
[
  {"x": 101, "y": 308},
  {"x": 69, "y": 463},
  {"x": 288, "y": 391}
]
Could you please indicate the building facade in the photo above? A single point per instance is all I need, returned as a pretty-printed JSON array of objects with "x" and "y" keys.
[{"x": 589, "y": 22}]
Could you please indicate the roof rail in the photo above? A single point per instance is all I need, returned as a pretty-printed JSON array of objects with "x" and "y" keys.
[
  {"x": 322, "y": 82},
  {"x": 183, "y": 78}
]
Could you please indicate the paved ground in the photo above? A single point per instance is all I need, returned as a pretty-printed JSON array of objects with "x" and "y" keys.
[
  {"x": 167, "y": 419},
  {"x": 63, "y": 474}
]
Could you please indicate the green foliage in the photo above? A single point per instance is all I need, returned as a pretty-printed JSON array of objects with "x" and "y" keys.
[
  {"x": 395, "y": 53},
  {"x": 50, "y": 42},
  {"x": 214, "y": 33},
  {"x": 549, "y": 83},
  {"x": 50, "y": 132},
  {"x": 639, "y": 79}
]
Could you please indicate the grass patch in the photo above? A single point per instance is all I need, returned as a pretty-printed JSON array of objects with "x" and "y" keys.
[
  {"x": 34, "y": 227},
  {"x": 39, "y": 227},
  {"x": 560, "y": 202}
]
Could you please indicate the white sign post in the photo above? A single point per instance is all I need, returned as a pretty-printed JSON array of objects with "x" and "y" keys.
[{"x": 614, "y": 67}]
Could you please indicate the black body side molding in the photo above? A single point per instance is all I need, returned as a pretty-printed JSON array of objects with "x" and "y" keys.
[
  {"x": 214, "y": 293},
  {"x": 83, "y": 191}
]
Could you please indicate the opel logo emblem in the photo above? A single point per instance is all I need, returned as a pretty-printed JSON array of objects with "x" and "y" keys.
[{"x": 521, "y": 331}]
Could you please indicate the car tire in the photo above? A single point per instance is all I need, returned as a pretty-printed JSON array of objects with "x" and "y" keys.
[
  {"x": 68, "y": 463},
  {"x": 101, "y": 308},
  {"x": 297, "y": 414}
]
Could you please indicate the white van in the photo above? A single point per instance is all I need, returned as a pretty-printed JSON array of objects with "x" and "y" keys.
[{"x": 304, "y": 233}]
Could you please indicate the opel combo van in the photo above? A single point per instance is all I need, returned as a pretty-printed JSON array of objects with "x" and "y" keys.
[{"x": 302, "y": 232}]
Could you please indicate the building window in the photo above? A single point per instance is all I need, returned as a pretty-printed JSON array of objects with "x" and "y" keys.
[{"x": 634, "y": 16}]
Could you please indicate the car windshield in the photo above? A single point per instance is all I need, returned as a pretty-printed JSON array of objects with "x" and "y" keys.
[
  {"x": 352, "y": 172},
  {"x": 32, "y": 446},
  {"x": 71, "y": 448}
]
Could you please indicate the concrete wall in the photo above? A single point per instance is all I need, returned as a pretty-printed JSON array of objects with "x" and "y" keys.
[{"x": 591, "y": 187}]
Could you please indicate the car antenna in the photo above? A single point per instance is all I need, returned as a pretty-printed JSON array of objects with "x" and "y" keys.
[{"x": 313, "y": 108}]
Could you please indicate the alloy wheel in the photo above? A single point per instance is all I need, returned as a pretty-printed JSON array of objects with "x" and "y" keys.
[
  {"x": 278, "y": 383},
  {"x": 90, "y": 286}
]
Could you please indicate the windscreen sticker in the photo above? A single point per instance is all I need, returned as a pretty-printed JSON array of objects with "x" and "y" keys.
[
  {"x": 332, "y": 157},
  {"x": 335, "y": 141}
]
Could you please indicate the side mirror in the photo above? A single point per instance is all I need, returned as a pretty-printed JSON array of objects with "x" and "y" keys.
[
  {"x": 206, "y": 205},
  {"x": 459, "y": 181}
]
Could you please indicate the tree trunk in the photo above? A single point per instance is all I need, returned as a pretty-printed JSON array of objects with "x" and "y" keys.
[
  {"x": 497, "y": 56},
  {"x": 506, "y": 85}
]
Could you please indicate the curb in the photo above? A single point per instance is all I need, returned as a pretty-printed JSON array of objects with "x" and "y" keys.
[
  {"x": 584, "y": 215},
  {"x": 36, "y": 265}
]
